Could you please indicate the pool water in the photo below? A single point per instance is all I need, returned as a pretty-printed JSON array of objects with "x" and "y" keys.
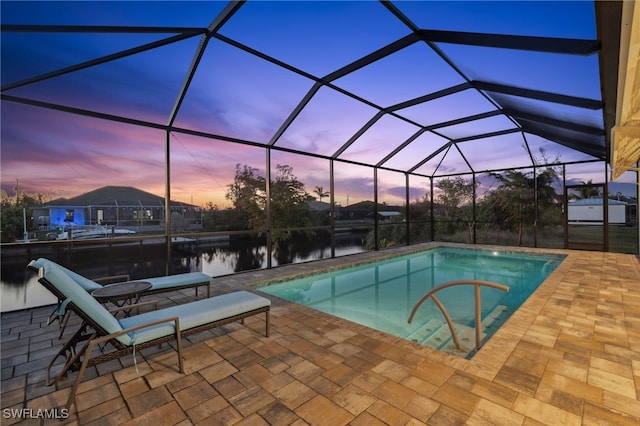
[{"x": 382, "y": 294}]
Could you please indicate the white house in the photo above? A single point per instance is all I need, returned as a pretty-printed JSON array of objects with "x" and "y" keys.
[{"x": 590, "y": 211}]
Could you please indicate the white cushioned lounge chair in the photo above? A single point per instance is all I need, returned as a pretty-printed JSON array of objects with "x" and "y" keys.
[
  {"x": 158, "y": 285},
  {"x": 119, "y": 337}
]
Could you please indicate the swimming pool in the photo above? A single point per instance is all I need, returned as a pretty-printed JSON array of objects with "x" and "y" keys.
[{"x": 382, "y": 294}]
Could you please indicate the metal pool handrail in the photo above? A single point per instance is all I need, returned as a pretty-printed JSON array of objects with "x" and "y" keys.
[{"x": 476, "y": 286}]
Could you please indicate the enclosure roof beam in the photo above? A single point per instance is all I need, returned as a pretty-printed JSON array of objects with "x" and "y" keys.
[
  {"x": 435, "y": 95},
  {"x": 538, "y": 95},
  {"x": 595, "y": 131},
  {"x": 537, "y": 44},
  {"x": 594, "y": 149}
]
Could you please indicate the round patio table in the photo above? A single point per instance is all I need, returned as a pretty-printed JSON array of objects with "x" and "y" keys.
[{"x": 121, "y": 294}]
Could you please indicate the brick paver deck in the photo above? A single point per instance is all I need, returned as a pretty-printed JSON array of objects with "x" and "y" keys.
[{"x": 569, "y": 355}]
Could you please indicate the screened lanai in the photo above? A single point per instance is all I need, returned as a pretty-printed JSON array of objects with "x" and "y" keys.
[
  {"x": 293, "y": 126},
  {"x": 264, "y": 141}
]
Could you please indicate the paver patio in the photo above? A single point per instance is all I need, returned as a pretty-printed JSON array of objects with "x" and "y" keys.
[{"x": 569, "y": 355}]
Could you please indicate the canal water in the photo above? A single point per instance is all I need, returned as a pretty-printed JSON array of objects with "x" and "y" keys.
[{"x": 20, "y": 289}]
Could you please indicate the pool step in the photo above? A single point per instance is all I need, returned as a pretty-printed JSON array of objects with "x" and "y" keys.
[
  {"x": 426, "y": 330},
  {"x": 495, "y": 319},
  {"x": 436, "y": 334},
  {"x": 443, "y": 341}
]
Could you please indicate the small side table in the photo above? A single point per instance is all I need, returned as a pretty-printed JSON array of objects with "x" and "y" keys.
[{"x": 121, "y": 294}]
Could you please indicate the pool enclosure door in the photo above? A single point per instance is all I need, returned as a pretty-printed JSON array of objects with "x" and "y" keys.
[{"x": 587, "y": 214}]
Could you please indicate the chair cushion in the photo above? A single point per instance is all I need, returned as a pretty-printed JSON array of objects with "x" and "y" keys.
[
  {"x": 157, "y": 283},
  {"x": 194, "y": 314},
  {"x": 175, "y": 281},
  {"x": 83, "y": 282}
]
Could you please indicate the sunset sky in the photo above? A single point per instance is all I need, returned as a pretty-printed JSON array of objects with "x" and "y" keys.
[{"x": 237, "y": 94}]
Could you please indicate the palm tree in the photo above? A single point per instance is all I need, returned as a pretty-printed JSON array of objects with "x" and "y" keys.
[
  {"x": 320, "y": 192},
  {"x": 588, "y": 190}
]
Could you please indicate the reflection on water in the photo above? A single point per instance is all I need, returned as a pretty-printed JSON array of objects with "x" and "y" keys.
[
  {"x": 19, "y": 288},
  {"x": 27, "y": 295}
]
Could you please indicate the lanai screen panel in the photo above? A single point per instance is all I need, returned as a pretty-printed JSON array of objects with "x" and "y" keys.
[
  {"x": 480, "y": 152},
  {"x": 121, "y": 87},
  {"x": 316, "y": 37},
  {"x": 445, "y": 108},
  {"x": 413, "y": 152},
  {"x": 405, "y": 74},
  {"x": 236, "y": 94},
  {"x": 379, "y": 140},
  {"x": 566, "y": 19},
  {"x": 326, "y": 123}
]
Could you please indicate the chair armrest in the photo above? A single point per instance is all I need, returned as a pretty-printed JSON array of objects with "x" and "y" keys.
[
  {"x": 113, "y": 279},
  {"x": 108, "y": 337}
]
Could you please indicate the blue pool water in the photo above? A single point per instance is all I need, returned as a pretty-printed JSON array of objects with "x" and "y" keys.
[{"x": 381, "y": 295}]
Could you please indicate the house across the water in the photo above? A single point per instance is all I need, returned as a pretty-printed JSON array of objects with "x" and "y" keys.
[{"x": 120, "y": 206}]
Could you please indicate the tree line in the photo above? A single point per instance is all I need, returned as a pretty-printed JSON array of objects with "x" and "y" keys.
[
  {"x": 11, "y": 212},
  {"x": 511, "y": 205},
  {"x": 519, "y": 200}
]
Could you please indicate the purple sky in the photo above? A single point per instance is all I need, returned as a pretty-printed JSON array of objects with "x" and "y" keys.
[{"x": 239, "y": 95}]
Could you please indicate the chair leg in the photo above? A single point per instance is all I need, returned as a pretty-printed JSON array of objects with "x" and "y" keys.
[
  {"x": 70, "y": 353},
  {"x": 179, "y": 343},
  {"x": 63, "y": 323},
  {"x": 63, "y": 319}
]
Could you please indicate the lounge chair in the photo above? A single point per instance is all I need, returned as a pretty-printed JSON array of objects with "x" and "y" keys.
[
  {"x": 126, "y": 335},
  {"x": 158, "y": 285}
]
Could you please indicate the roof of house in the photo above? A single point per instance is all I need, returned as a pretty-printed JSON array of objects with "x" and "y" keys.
[
  {"x": 115, "y": 196},
  {"x": 594, "y": 202},
  {"x": 319, "y": 206}
]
